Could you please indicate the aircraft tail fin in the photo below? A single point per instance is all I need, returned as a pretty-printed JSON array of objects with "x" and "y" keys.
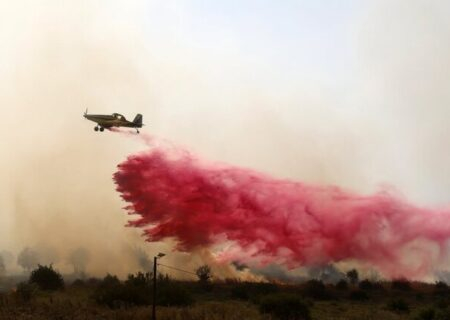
[{"x": 138, "y": 120}]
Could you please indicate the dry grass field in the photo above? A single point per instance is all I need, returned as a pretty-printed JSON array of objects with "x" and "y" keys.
[{"x": 235, "y": 300}]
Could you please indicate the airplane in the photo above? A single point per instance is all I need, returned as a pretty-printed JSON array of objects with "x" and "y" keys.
[{"x": 114, "y": 120}]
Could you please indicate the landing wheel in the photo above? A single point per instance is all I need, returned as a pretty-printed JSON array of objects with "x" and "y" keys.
[
  {"x": 96, "y": 128},
  {"x": 101, "y": 129}
]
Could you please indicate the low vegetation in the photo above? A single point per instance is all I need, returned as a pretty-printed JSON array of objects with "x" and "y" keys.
[
  {"x": 285, "y": 306},
  {"x": 46, "y": 278},
  {"x": 45, "y": 296}
]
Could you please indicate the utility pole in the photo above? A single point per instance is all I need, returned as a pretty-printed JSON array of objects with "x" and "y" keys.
[{"x": 155, "y": 258}]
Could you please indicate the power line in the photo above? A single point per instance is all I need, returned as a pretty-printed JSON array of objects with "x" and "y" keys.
[{"x": 174, "y": 268}]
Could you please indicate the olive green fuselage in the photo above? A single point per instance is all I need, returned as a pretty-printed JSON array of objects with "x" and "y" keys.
[{"x": 114, "y": 120}]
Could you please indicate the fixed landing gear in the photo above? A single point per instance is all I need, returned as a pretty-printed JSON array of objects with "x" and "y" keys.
[
  {"x": 96, "y": 128},
  {"x": 137, "y": 130}
]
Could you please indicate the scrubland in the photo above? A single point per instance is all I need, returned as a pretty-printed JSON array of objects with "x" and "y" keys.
[{"x": 110, "y": 298}]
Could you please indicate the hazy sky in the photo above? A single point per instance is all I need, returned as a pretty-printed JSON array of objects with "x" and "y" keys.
[{"x": 352, "y": 93}]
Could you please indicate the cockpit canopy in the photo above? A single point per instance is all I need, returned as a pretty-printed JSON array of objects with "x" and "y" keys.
[{"x": 118, "y": 116}]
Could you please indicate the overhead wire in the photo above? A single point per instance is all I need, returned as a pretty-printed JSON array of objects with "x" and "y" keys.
[{"x": 178, "y": 269}]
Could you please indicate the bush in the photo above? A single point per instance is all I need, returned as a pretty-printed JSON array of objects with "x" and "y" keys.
[
  {"x": 285, "y": 307},
  {"x": 398, "y": 305},
  {"x": 46, "y": 278},
  {"x": 262, "y": 288},
  {"x": 342, "y": 285},
  {"x": 239, "y": 292},
  {"x": 441, "y": 285},
  {"x": 315, "y": 289},
  {"x": 430, "y": 313},
  {"x": 443, "y": 314},
  {"x": 252, "y": 290},
  {"x": 93, "y": 281},
  {"x": 441, "y": 288},
  {"x": 78, "y": 283},
  {"x": 365, "y": 285},
  {"x": 441, "y": 303},
  {"x": 426, "y": 314},
  {"x": 173, "y": 294},
  {"x": 358, "y": 295},
  {"x": 401, "y": 284},
  {"x": 420, "y": 296},
  {"x": 109, "y": 292},
  {"x": 26, "y": 291},
  {"x": 138, "y": 290}
]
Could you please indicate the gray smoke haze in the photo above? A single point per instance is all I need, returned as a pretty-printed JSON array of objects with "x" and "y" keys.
[
  {"x": 327, "y": 274},
  {"x": 144, "y": 260},
  {"x": 28, "y": 259},
  {"x": 8, "y": 259},
  {"x": 443, "y": 276},
  {"x": 79, "y": 259},
  {"x": 2, "y": 267},
  {"x": 278, "y": 273},
  {"x": 386, "y": 125}
]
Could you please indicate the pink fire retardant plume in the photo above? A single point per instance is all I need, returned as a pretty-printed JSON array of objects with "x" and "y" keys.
[{"x": 271, "y": 220}]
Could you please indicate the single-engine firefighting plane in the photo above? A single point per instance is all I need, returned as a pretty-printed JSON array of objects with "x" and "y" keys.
[{"x": 114, "y": 120}]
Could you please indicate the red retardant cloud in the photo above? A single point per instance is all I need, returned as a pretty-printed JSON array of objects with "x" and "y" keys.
[{"x": 272, "y": 220}]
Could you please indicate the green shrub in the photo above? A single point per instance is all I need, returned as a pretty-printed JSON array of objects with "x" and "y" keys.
[
  {"x": 441, "y": 303},
  {"x": 93, "y": 281},
  {"x": 26, "y": 291},
  {"x": 315, "y": 289},
  {"x": 398, "y": 305},
  {"x": 252, "y": 291},
  {"x": 138, "y": 290},
  {"x": 365, "y": 285},
  {"x": 173, "y": 294},
  {"x": 401, "y": 284},
  {"x": 46, "y": 278},
  {"x": 441, "y": 288},
  {"x": 285, "y": 306},
  {"x": 78, "y": 283},
  {"x": 420, "y": 296},
  {"x": 442, "y": 314},
  {"x": 240, "y": 292},
  {"x": 358, "y": 295},
  {"x": 342, "y": 285},
  {"x": 426, "y": 314},
  {"x": 109, "y": 292}
]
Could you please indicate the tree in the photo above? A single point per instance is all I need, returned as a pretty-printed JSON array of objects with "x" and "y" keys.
[
  {"x": 203, "y": 274},
  {"x": 79, "y": 258},
  {"x": 8, "y": 258},
  {"x": 353, "y": 276},
  {"x": 46, "y": 254},
  {"x": 28, "y": 259}
]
